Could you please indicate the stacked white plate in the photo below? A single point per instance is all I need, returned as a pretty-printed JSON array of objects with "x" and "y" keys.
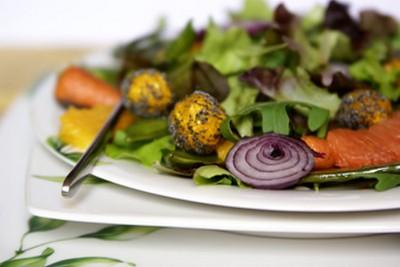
[{"x": 141, "y": 196}]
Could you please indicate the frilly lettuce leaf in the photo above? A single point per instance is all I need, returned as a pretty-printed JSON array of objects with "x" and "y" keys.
[
  {"x": 232, "y": 51},
  {"x": 298, "y": 87},
  {"x": 215, "y": 175},
  {"x": 147, "y": 154}
]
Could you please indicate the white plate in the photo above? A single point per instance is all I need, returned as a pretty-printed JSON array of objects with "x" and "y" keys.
[
  {"x": 108, "y": 203},
  {"x": 45, "y": 117}
]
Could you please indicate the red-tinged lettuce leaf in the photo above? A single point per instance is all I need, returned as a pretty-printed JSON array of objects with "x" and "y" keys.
[
  {"x": 284, "y": 18},
  {"x": 265, "y": 79},
  {"x": 377, "y": 25},
  {"x": 291, "y": 86},
  {"x": 338, "y": 18},
  {"x": 206, "y": 78},
  {"x": 336, "y": 78},
  {"x": 255, "y": 28}
]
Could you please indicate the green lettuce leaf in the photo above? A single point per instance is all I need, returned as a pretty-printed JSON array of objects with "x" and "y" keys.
[
  {"x": 322, "y": 48},
  {"x": 146, "y": 154},
  {"x": 370, "y": 69},
  {"x": 313, "y": 18},
  {"x": 240, "y": 96},
  {"x": 232, "y": 51},
  {"x": 181, "y": 44},
  {"x": 254, "y": 10},
  {"x": 299, "y": 87},
  {"x": 215, "y": 175}
]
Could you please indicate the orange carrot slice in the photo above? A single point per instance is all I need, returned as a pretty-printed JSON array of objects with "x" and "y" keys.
[{"x": 78, "y": 87}]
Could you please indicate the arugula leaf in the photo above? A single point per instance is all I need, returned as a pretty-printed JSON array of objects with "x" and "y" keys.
[
  {"x": 147, "y": 154},
  {"x": 215, "y": 175},
  {"x": 274, "y": 118},
  {"x": 317, "y": 118},
  {"x": 254, "y": 10},
  {"x": 232, "y": 51},
  {"x": 385, "y": 181},
  {"x": 387, "y": 177},
  {"x": 181, "y": 44}
]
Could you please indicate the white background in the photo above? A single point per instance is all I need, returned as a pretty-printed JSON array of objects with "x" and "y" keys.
[{"x": 105, "y": 22}]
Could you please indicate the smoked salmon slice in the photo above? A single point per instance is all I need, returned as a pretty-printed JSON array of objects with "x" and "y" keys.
[{"x": 378, "y": 145}]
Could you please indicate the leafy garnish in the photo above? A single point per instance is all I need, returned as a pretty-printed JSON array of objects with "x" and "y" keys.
[
  {"x": 273, "y": 117},
  {"x": 387, "y": 177},
  {"x": 215, "y": 175}
]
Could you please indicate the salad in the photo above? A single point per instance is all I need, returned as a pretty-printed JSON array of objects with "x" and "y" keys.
[{"x": 270, "y": 99}]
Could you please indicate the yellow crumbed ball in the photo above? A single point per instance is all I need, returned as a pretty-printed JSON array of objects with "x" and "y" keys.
[
  {"x": 80, "y": 126},
  {"x": 363, "y": 108},
  {"x": 147, "y": 93},
  {"x": 195, "y": 123}
]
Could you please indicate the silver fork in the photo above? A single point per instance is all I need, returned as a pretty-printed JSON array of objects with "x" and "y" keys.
[{"x": 89, "y": 159}]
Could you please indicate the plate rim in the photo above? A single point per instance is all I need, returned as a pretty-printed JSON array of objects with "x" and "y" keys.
[{"x": 341, "y": 224}]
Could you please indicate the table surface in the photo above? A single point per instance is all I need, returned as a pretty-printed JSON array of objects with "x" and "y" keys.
[{"x": 20, "y": 67}]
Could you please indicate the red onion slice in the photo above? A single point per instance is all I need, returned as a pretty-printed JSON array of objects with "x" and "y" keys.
[{"x": 270, "y": 161}]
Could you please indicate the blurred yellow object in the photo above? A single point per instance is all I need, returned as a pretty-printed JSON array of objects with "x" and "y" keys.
[
  {"x": 80, "y": 126},
  {"x": 223, "y": 149},
  {"x": 393, "y": 64}
]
